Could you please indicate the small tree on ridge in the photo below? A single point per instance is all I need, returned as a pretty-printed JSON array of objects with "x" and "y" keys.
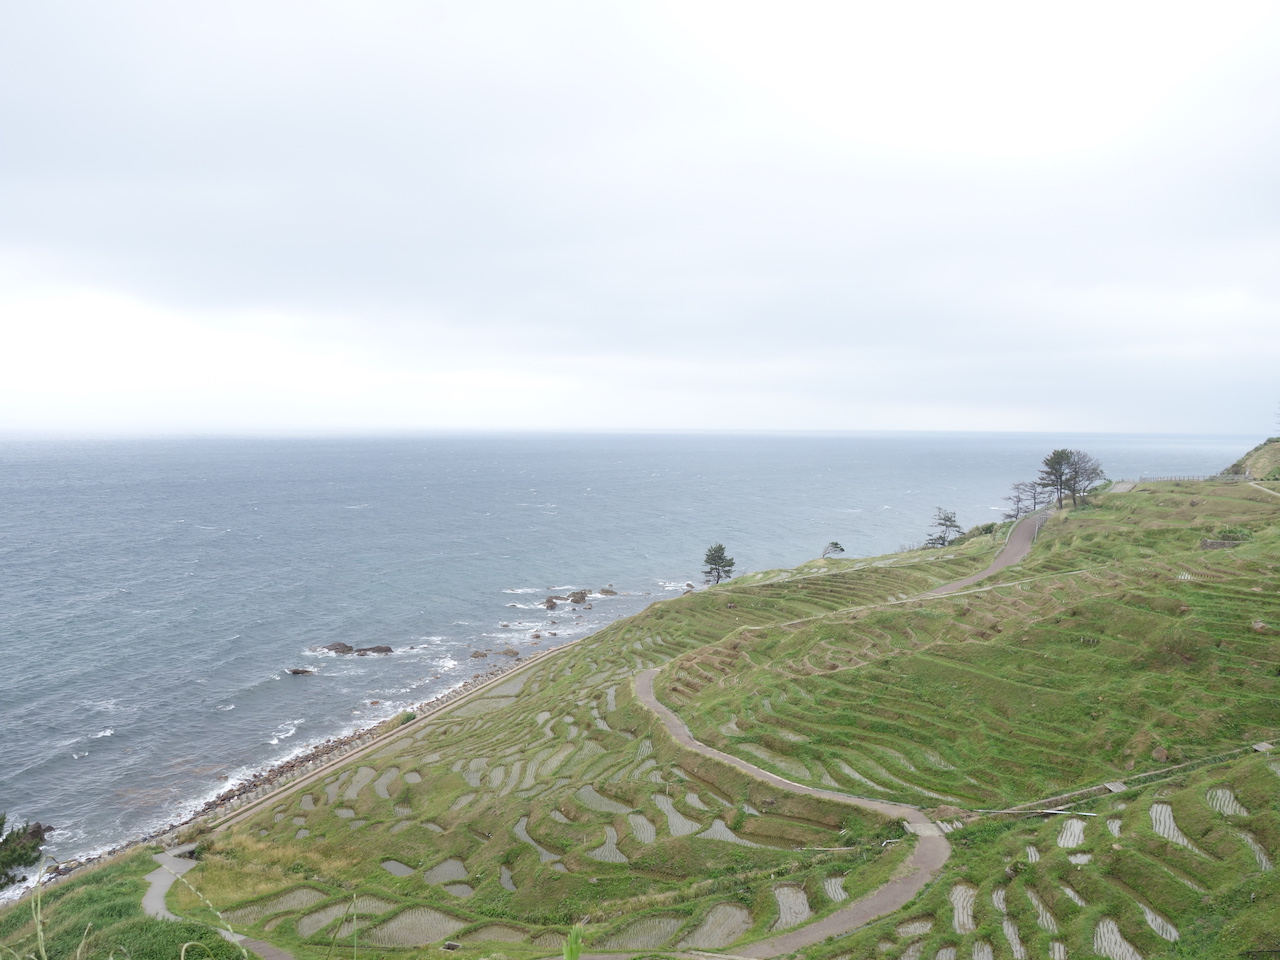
[
  {"x": 944, "y": 521},
  {"x": 1084, "y": 472},
  {"x": 718, "y": 566},
  {"x": 1025, "y": 497},
  {"x": 1053, "y": 474}
]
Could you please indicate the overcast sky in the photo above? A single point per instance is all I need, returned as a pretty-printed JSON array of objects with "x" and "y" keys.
[{"x": 318, "y": 217}]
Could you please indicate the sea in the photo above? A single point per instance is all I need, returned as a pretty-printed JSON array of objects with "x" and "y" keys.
[{"x": 154, "y": 594}]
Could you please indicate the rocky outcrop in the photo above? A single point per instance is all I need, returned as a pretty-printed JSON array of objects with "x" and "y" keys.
[{"x": 345, "y": 648}]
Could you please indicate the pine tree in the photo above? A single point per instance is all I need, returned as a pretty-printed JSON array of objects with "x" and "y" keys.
[
  {"x": 1054, "y": 472},
  {"x": 19, "y": 848},
  {"x": 948, "y": 529},
  {"x": 718, "y": 566}
]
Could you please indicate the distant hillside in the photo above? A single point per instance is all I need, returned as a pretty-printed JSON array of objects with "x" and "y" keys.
[{"x": 1261, "y": 463}]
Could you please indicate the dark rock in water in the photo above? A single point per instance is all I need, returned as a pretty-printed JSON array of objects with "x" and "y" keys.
[
  {"x": 381, "y": 648},
  {"x": 550, "y": 603},
  {"x": 608, "y": 591},
  {"x": 478, "y": 654},
  {"x": 578, "y": 596},
  {"x": 510, "y": 652},
  {"x": 339, "y": 647},
  {"x": 301, "y": 671}
]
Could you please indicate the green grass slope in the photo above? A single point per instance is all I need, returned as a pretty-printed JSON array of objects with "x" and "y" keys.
[
  {"x": 1262, "y": 462},
  {"x": 1118, "y": 639},
  {"x": 100, "y": 914},
  {"x": 1181, "y": 868},
  {"x": 555, "y": 796},
  {"x": 1120, "y": 650}
]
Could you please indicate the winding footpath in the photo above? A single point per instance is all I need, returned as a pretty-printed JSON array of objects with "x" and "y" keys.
[
  {"x": 931, "y": 852},
  {"x": 1014, "y": 551},
  {"x": 173, "y": 864},
  {"x": 926, "y": 860},
  {"x": 932, "y": 849}
]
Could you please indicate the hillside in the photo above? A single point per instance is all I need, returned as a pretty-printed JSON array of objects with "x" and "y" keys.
[
  {"x": 1262, "y": 462},
  {"x": 1118, "y": 651}
]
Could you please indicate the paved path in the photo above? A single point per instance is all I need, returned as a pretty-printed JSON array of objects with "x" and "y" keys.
[
  {"x": 932, "y": 849},
  {"x": 931, "y": 852},
  {"x": 1015, "y": 550},
  {"x": 926, "y": 860},
  {"x": 161, "y": 879},
  {"x": 172, "y": 866}
]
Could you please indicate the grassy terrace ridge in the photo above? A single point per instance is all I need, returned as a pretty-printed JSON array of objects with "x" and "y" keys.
[
  {"x": 1119, "y": 650},
  {"x": 1118, "y": 636},
  {"x": 1261, "y": 463}
]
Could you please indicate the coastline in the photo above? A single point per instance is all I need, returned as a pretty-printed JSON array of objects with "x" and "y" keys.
[
  {"x": 650, "y": 514},
  {"x": 266, "y": 781}
]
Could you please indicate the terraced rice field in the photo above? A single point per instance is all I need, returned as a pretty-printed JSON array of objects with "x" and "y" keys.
[
  {"x": 527, "y": 799},
  {"x": 296, "y": 899},
  {"x": 1138, "y": 894},
  {"x": 415, "y": 927},
  {"x": 365, "y": 906},
  {"x": 793, "y": 906},
  {"x": 723, "y": 924},
  {"x": 1063, "y": 678},
  {"x": 554, "y": 794},
  {"x": 648, "y": 934}
]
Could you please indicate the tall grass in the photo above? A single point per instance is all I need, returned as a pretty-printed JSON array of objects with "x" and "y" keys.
[{"x": 98, "y": 916}]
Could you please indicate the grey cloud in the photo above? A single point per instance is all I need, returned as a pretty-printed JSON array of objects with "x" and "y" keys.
[{"x": 552, "y": 174}]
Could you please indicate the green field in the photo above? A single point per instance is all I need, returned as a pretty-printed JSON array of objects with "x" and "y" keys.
[{"x": 1119, "y": 650}]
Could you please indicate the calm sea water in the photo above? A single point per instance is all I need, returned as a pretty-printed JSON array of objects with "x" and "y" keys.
[{"x": 154, "y": 593}]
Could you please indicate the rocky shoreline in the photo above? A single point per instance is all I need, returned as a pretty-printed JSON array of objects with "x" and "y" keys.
[{"x": 271, "y": 778}]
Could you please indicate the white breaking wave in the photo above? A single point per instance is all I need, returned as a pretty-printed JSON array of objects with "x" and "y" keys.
[{"x": 286, "y": 730}]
